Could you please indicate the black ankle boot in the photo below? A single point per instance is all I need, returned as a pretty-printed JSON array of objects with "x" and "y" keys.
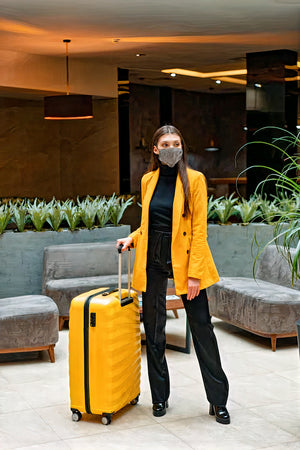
[
  {"x": 159, "y": 409},
  {"x": 221, "y": 413}
]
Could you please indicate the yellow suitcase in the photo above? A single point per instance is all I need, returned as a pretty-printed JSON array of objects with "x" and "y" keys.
[{"x": 104, "y": 351}]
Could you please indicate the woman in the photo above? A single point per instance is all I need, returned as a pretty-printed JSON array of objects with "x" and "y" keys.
[{"x": 172, "y": 243}]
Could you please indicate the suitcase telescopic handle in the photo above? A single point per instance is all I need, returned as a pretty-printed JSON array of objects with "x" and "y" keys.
[{"x": 120, "y": 273}]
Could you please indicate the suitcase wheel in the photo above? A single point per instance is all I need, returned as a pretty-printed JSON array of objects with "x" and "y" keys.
[
  {"x": 135, "y": 400},
  {"x": 76, "y": 415},
  {"x": 106, "y": 419}
]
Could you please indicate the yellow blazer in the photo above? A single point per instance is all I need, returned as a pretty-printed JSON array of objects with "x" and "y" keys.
[{"x": 190, "y": 254}]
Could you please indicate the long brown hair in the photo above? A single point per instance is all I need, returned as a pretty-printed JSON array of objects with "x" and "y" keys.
[{"x": 182, "y": 164}]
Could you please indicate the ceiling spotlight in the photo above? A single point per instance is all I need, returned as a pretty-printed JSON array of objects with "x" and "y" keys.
[
  {"x": 140, "y": 54},
  {"x": 173, "y": 74},
  {"x": 257, "y": 85},
  {"x": 218, "y": 81}
]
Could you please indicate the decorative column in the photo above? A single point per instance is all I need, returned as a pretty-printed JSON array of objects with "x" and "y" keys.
[{"x": 271, "y": 100}]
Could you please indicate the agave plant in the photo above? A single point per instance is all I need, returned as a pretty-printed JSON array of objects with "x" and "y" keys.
[
  {"x": 103, "y": 212},
  {"x": 248, "y": 210},
  {"x": 211, "y": 205},
  {"x": 19, "y": 213},
  {"x": 270, "y": 210},
  {"x": 287, "y": 228},
  {"x": 225, "y": 208},
  {"x": 117, "y": 207},
  {"x": 38, "y": 213},
  {"x": 88, "y": 210},
  {"x": 55, "y": 214},
  {"x": 72, "y": 214},
  {"x": 5, "y": 216}
]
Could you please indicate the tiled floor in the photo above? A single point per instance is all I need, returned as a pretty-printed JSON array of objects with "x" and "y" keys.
[{"x": 264, "y": 401}]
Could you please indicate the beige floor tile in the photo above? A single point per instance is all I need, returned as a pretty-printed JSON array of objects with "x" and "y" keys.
[
  {"x": 45, "y": 392},
  {"x": 257, "y": 431},
  {"x": 259, "y": 390},
  {"x": 59, "y": 419},
  {"x": 284, "y": 415},
  {"x": 293, "y": 375},
  {"x": 19, "y": 429},
  {"x": 150, "y": 437},
  {"x": 205, "y": 433},
  {"x": 285, "y": 446},
  {"x": 56, "y": 445},
  {"x": 11, "y": 401}
]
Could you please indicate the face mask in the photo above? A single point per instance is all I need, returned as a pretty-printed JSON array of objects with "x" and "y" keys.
[{"x": 170, "y": 155}]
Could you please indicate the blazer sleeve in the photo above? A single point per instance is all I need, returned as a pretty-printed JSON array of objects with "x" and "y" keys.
[
  {"x": 135, "y": 234},
  {"x": 199, "y": 250}
]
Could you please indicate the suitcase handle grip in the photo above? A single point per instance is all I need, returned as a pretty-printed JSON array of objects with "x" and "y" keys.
[{"x": 120, "y": 273}]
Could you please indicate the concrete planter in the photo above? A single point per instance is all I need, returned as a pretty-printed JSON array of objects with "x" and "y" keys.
[
  {"x": 21, "y": 255},
  {"x": 233, "y": 247}
]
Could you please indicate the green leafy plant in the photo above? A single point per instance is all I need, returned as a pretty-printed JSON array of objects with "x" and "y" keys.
[
  {"x": 225, "y": 208},
  {"x": 88, "y": 209},
  {"x": 38, "y": 212},
  {"x": 117, "y": 207},
  {"x": 287, "y": 227},
  {"x": 270, "y": 210},
  {"x": 103, "y": 212},
  {"x": 247, "y": 210},
  {"x": 72, "y": 214},
  {"x": 211, "y": 206},
  {"x": 19, "y": 213},
  {"x": 5, "y": 217},
  {"x": 55, "y": 214}
]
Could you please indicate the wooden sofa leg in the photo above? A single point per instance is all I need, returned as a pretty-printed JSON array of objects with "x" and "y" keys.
[
  {"x": 61, "y": 322},
  {"x": 273, "y": 342},
  {"x": 51, "y": 353},
  {"x": 175, "y": 313}
]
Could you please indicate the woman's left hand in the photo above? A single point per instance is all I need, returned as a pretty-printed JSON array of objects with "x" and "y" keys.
[{"x": 193, "y": 288}]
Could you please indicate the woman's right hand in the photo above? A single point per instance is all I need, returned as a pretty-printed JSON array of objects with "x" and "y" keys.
[{"x": 126, "y": 243}]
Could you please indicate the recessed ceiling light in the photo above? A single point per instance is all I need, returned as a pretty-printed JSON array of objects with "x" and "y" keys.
[
  {"x": 173, "y": 74},
  {"x": 218, "y": 81},
  {"x": 258, "y": 85},
  {"x": 193, "y": 73},
  {"x": 140, "y": 54}
]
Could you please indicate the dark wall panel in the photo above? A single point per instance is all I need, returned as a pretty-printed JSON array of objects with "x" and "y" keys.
[{"x": 40, "y": 158}]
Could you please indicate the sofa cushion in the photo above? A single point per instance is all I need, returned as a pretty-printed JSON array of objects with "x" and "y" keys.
[
  {"x": 64, "y": 290},
  {"x": 274, "y": 267},
  {"x": 255, "y": 304},
  {"x": 28, "y": 321}
]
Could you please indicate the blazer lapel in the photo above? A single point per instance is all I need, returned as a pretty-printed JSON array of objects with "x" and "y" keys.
[
  {"x": 148, "y": 196},
  {"x": 177, "y": 206}
]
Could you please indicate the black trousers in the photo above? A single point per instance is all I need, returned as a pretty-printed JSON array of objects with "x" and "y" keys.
[{"x": 159, "y": 269}]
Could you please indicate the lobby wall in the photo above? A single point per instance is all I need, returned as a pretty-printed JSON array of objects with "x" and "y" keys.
[
  {"x": 200, "y": 117},
  {"x": 40, "y": 158}
]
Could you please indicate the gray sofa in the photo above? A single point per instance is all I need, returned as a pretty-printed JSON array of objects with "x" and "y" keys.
[
  {"x": 28, "y": 323},
  {"x": 268, "y": 306},
  {"x": 71, "y": 269}
]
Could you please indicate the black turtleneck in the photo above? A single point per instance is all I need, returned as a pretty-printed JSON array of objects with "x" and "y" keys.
[{"x": 161, "y": 205}]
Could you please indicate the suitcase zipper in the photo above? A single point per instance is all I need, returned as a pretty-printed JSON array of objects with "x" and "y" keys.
[{"x": 86, "y": 323}]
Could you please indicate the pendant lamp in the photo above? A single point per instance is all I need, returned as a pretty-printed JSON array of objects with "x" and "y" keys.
[{"x": 62, "y": 107}]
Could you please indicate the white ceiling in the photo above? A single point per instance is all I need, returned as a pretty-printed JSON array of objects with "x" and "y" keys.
[{"x": 203, "y": 35}]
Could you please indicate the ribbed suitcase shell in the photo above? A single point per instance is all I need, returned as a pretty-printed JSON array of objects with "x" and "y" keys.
[{"x": 104, "y": 373}]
